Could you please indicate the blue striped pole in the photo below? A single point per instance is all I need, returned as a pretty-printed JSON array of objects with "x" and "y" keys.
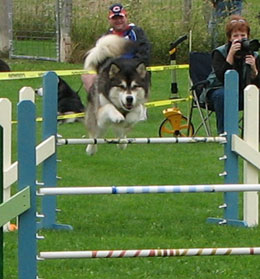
[
  {"x": 49, "y": 171},
  {"x": 148, "y": 189},
  {"x": 27, "y": 246}
]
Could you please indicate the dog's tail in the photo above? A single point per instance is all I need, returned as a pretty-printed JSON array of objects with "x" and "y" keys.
[{"x": 108, "y": 46}]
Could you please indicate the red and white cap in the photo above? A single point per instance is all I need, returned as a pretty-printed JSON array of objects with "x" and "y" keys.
[{"x": 117, "y": 10}]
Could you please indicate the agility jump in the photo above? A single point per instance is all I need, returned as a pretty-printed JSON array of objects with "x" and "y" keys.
[
  {"x": 28, "y": 227},
  {"x": 233, "y": 146}
]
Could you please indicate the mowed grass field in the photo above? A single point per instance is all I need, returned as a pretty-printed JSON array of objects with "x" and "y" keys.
[{"x": 135, "y": 221}]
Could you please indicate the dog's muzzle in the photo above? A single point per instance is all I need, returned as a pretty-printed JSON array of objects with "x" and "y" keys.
[{"x": 129, "y": 102}]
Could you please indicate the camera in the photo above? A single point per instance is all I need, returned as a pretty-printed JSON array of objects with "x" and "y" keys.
[{"x": 248, "y": 47}]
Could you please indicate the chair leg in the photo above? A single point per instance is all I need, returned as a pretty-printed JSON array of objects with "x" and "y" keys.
[{"x": 204, "y": 118}]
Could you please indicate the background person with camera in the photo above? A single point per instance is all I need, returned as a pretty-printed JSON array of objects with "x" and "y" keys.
[{"x": 237, "y": 54}]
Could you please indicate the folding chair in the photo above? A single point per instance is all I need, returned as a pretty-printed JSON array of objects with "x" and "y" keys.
[{"x": 200, "y": 68}]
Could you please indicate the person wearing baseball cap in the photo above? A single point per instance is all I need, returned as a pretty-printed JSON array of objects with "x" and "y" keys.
[
  {"x": 117, "y": 10},
  {"x": 120, "y": 26}
]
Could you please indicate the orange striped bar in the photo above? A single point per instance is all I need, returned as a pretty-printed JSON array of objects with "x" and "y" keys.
[{"x": 150, "y": 253}]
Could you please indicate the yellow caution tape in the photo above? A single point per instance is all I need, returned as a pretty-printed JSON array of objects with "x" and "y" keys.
[
  {"x": 166, "y": 102},
  {"x": 38, "y": 74},
  {"x": 148, "y": 105},
  {"x": 60, "y": 117},
  {"x": 167, "y": 67},
  {"x": 72, "y": 115}
]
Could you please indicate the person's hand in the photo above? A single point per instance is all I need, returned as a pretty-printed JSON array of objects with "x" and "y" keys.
[
  {"x": 235, "y": 46},
  {"x": 250, "y": 60},
  {"x": 88, "y": 80}
]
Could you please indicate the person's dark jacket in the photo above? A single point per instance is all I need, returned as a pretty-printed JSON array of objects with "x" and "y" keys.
[
  {"x": 142, "y": 48},
  {"x": 220, "y": 66}
]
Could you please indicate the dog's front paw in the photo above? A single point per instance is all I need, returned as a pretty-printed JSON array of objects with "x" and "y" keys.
[
  {"x": 91, "y": 149},
  {"x": 117, "y": 117}
]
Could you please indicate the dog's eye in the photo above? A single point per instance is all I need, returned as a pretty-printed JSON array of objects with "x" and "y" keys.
[
  {"x": 121, "y": 87},
  {"x": 133, "y": 87}
]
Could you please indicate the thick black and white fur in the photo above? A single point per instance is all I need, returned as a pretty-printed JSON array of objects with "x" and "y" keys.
[
  {"x": 69, "y": 101},
  {"x": 118, "y": 95}
]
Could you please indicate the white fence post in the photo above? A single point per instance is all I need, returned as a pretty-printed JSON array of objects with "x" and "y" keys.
[
  {"x": 10, "y": 170},
  {"x": 251, "y": 137},
  {"x": 5, "y": 122},
  {"x": 27, "y": 93}
]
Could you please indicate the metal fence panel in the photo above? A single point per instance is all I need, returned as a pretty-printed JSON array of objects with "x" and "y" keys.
[{"x": 34, "y": 29}]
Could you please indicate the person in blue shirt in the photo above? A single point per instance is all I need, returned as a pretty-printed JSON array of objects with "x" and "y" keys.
[{"x": 120, "y": 26}]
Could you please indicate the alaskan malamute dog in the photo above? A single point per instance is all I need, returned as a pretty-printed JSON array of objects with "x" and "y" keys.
[{"x": 120, "y": 90}]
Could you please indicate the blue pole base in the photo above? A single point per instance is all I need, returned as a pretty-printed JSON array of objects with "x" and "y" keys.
[
  {"x": 229, "y": 222},
  {"x": 54, "y": 226}
]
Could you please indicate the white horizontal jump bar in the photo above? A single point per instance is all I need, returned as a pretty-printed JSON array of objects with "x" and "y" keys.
[
  {"x": 143, "y": 140},
  {"x": 148, "y": 189},
  {"x": 150, "y": 253}
]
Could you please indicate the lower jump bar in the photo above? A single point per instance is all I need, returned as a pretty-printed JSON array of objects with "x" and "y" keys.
[
  {"x": 150, "y": 253},
  {"x": 143, "y": 140},
  {"x": 148, "y": 189}
]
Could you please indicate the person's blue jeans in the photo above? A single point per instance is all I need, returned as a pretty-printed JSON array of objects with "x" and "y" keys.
[{"x": 216, "y": 100}]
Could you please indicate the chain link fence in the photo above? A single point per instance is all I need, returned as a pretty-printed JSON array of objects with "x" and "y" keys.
[
  {"x": 63, "y": 30},
  {"x": 34, "y": 29}
]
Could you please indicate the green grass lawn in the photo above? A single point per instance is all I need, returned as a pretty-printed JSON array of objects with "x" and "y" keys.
[
  {"x": 135, "y": 221},
  {"x": 35, "y": 48}
]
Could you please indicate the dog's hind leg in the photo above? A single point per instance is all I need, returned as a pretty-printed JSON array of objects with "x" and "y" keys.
[
  {"x": 120, "y": 133},
  {"x": 92, "y": 148}
]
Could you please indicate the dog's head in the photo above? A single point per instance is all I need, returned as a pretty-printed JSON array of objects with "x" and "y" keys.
[
  {"x": 125, "y": 83},
  {"x": 68, "y": 100}
]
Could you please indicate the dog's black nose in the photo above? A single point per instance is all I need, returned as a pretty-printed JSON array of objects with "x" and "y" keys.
[{"x": 129, "y": 100}]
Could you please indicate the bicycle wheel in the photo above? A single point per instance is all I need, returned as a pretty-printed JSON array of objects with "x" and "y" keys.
[{"x": 179, "y": 128}]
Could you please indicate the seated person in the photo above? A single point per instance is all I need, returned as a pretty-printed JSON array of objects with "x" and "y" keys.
[{"x": 231, "y": 57}]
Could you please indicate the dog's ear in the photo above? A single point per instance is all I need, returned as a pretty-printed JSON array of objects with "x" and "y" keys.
[
  {"x": 141, "y": 70},
  {"x": 113, "y": 70}
]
